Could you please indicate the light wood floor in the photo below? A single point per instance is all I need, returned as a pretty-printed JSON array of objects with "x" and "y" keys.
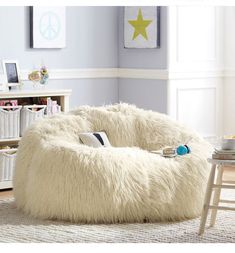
[
  {"x": 229, "y": 173},
  {"x": 6, "y": 194}
]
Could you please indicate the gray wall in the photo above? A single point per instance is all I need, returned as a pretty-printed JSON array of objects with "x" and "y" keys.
[
  {"x": 92, "y": 42},
  {"x": 91, "y": 92},
  {"x": 143, "y": 58},
  {"x": 145, "y": 93}
]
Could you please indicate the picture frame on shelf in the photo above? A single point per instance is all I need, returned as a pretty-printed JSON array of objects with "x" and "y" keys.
[{"x": 11, "y": 72}]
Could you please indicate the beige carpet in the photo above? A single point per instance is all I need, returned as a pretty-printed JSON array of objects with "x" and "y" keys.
[{"x": 17, "y": 227}]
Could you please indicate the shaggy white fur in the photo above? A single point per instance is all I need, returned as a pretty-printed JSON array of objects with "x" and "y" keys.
[{"x": 57, "y": 177}]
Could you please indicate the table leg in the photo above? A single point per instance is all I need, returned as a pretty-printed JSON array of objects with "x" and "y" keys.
[
  {"x": 216, "y": 196},
  {"x": 207, "y": 200}
]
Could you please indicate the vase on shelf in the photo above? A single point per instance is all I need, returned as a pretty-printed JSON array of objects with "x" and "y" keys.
[
  {"x": 35, "y": 78},
  {"x": 39, "y": 78},
  {"x": 44, "y": 75}
]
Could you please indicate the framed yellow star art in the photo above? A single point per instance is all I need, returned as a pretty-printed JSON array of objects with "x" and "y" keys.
[{"x": 142, "y": 27}]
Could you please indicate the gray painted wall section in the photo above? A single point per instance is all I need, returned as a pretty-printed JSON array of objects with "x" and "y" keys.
[
  {"x": 145, "y": 93},
  {"x": 144, "y": 58},
  {"x": 92, "y": 39},
  {"x": 92, "y": 42},
  {"x": 86, "y": 91}
]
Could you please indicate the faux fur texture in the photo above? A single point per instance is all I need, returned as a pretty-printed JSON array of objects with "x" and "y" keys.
[{"x": 57, "y": 177}]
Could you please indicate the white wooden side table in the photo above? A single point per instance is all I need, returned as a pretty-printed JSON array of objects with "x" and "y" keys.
[{"x": 216, "y": 183}]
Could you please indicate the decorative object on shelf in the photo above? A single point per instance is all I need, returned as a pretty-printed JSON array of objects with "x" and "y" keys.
[
  {"x": 11, "y": 72},
  {"x": 52, "y": 107},
  {"x": 142, "y": 27},
  {"x": 35, "y": 77},
  {"x": 44, "y": 75},
  {"x": 39, "y": 76},
  {"x": 228, "y": 142},
  {"x": 47, "y": 27}
]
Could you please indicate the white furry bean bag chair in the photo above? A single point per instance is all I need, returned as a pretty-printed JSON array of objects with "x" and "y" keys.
[{"x": 57, "y": 177}]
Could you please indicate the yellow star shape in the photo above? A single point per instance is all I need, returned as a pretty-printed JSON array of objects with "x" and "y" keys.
[{"x": 140, "y": 25}]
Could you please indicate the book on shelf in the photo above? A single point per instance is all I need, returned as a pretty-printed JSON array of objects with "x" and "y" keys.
[
  {"x": 224, "y": 151},
  {"x": 223, "y": 157},
  {"x": 224, "y": 154}
]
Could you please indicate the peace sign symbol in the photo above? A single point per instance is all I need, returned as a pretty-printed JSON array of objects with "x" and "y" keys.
[{"x": 49, "y": 25}]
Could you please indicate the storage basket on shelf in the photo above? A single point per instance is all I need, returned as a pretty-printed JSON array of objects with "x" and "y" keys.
[
  {"x": 29, "y": 114},
  {"x": 7, "y": 164},
  {"x": 9, "y": 122}
]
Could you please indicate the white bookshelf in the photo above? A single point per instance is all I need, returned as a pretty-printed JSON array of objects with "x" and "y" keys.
[{"x": 61, "y": 95}]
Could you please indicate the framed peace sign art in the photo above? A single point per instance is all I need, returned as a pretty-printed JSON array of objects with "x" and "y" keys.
[{"x": 47, "y": 27}]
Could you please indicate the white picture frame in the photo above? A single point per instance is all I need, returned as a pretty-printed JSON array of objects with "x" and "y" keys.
[
  {"x": 11, "y": 72},
  {"x": 142, "y": 27},
  {"x": 47, "y": 27}
]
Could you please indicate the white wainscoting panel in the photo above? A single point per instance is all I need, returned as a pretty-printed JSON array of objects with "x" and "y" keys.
[
  {"x": 195, "y": 38},
  {"x": 198, "y": 104},
  {"x": 196, "y": 29},
  {"x": 196, "y": 108}
]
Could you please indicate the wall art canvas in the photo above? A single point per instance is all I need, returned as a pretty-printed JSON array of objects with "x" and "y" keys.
[
  {"x": 47, "y": 27},
  {"x": 142, "y": 27}
]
